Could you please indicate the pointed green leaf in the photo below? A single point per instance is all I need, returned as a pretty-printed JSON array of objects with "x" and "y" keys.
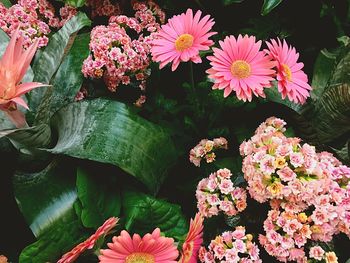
[
  {"x": 230, "y": 2},
  {"x": 55, "y": 241},
  {"x": 45, "y": 196},
  {"x": 99, "y": 197},
  {"x": 6, "y": 3},
  {"x": 67, "y": 81},
  {"x": 144, "y": 213},
  {"x": 50, "y": 59},
  {"x": 110, "y": 132},
  {"x": 273, "y": 95},
  {"x": 75, "y": 3},
  {"x": 344, "y": 152},
  {"x": 269, "y": 5}
]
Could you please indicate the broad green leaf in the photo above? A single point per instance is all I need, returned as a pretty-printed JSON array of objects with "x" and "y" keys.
[
  {"x": 348, "y": 261},
  {"x": 144, "y": 213},
  {"x": 344, "y": 152},
  {"x": 75, "y": 3},
  {"x": 110, "y": 132},
  {"x": 332, "y": 113},
  {"x": 6, "y": 3},
  {"x": 46, "y": 196},
  {"x": 67, "y": 81},
  {"x": 273, "y": 95},
  {"x": 50, "y": 59},
  {"x": 323, "y": 68},
  {"x": 230, "y": 2},
  {"x": 29, "y": 138},
  {"x": 66, "y": 232},
  {"x": 269, "y": 5},
  {"x": 99, "y": 196}
]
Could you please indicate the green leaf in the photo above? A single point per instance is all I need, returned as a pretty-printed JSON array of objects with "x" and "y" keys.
[
  {"x": 29, "y": 138},
  {"x": 6, "y": 3},
  {"x": 75, "y": 3},
  {"x": 230, "y": 2},
  {"x": 67, "y": 80},
  {"x": 269, "y": 5},
  {"x": 50, "y": 59},
  {"x": 273, "y": 95},
  {"x": 56, "y": 241},
  {"x": 322, "y": 73},
  {"x": 110, "y": 132},
  {"x": 99, "y": 197},
  {"x": 332, "y": 113},
  {"x": 144, "y": 213},
  {"x": 344, "y": 152},
  {"x": 45, "y": 196}
]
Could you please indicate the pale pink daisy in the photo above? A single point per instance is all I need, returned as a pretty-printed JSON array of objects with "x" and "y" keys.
[
  {"x": 193, "y": 242},
  {"x": 240, "y": 66},
  {"x": 152, "y": 248},
  {"x": 182, "y": 38},
  {"x": 292, "y": 81}
]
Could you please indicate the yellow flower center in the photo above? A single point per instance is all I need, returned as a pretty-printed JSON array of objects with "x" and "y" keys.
[
  {"x": 287, "y": 71},
  {"x": 184, "y": 42},
  {"x": 8, "y": 83},
  {"x": 187, "y": 252},
  {"x": 240, "y": 69},
  {"x": 138, "y": 257}
]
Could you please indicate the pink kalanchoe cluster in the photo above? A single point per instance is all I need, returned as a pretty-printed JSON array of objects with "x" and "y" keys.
[
  {"x": 205, "y": 149},
  {"x": 286, "y": 235},
  {"x": 104, "y": 8},
  {"x": 217, "y": 193},
  {"x": 231, "y": 247},
  {"x": 35, "y": 19},
  {"x": 318, "y": 254},
  {"x": 301, "y": 185},
  {"x": 116, "y": 56}
]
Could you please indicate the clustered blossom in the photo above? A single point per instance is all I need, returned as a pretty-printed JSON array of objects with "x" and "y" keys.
[
  {"x": 103, "y": 8},
  {"x": 231, "y": 247},
  {"x": 217, "y": 193},
  {"x": 115, "y": 55},
  {"x": 35, "y": 19},
  {"x": 309, "y": 192},
  {"x": 205, "y": 149}
]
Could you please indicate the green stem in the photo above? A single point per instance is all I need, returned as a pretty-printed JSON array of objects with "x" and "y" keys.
[{"x": 193, "y": 90}]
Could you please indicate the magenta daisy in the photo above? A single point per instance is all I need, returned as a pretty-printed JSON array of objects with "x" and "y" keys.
[
  {"x": 240, "y": 66},
  {"x": 292, "y": 81},
  {"x": 182, "y": 38}
]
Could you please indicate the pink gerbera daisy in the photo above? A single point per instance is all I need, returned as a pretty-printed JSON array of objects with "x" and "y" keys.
[
  {"x": 182, "y": 38},
  {"x": 193, "y": 241},
  {"x": 89, "y": 243},
  {"x": 240, "y": 66},
  {"x": 152, "y": 248},
  {"x": 292, "y": 81}
]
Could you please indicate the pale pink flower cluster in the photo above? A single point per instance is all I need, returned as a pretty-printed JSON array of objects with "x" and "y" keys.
[
  {"x": 231, "y": 247},
  {"x": 204, "y": 149},
  {"x": 317, "y": 253},
  {"x": 35, "y": 19},
  {"x": 217, "y": 194},
  {"x": 117, "y": 57},
  {"x": 308, "y": 191}
]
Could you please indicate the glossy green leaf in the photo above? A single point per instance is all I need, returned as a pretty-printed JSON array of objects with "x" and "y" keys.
[
  {"x": 273, "y": 95},
  {"x": 67, "y": 81},
  {"x": 230, "y": 2},
  {"x": 99, "y": 196},
  {"x": 144, "y": 213},
  {"x": 45, "y": 196},
  {"x": 75, "y": 3},
  {"x": 269, "y": 5},
  {"x": 323, "y": 68},
  {"x": 332, "y": 113},
  {"x": 64, "y": 233},
  {"x": 46, "y": 65},
  {"x": 29, "y": 138},
  {"x": 6, "y": 3},
  {"x": 110, "y": 132}
]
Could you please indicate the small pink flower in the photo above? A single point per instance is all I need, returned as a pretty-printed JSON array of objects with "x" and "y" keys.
[{"x": 316, "y": 252}]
